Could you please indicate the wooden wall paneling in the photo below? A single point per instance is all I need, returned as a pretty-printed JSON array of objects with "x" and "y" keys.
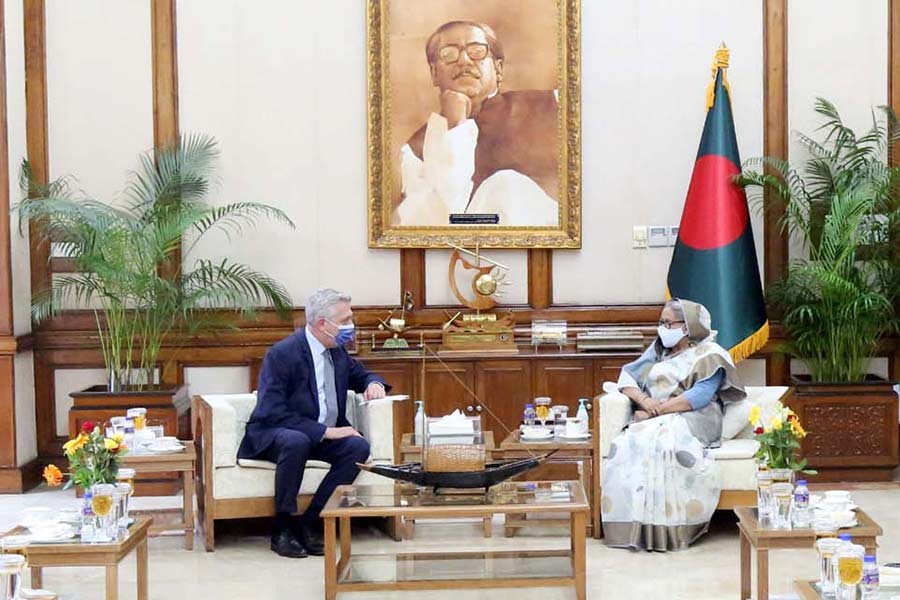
[
  {"x": 412, "y": 275},
  {"x": 448, "y": 386},
  {"x": 540, "y": 278},
  {"x": 164, "y": 56},
  {"x": 775, "y": 143},
  {"x": 894, "y": 66},
  {"x": 565, "y": 381},
  {"x": 503, "y": 388},
  {"x": 36, "y": 128},
  {"x": 7, "y": 408},
  {"x": 49, "y": 444}
]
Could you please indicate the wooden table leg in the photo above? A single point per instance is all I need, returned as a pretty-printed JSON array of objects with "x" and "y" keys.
[
  {"x": 745, "y": 567},
  {"x": 37, "y": 577},
  {"x": 345, "y": 535},
  {"x": 112, "y": 582},
  {"x": 487, "y": 526},
  {"x": 330, "y": 560},
  {"x": 188, "y": 514},
  {"x": 762, "y": 575},
  {"x": 578, "y": 526},
  {"x": 143, "y": 577}
]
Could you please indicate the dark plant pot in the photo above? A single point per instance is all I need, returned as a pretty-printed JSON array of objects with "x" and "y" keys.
[
  {"x": 852, "y": 428},
  {"x": 167, "y": 404}
]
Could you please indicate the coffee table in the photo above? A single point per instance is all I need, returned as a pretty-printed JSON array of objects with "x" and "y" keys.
[
  {"x": 77, "y": 554},
  {"x": 763, "y": 539},
  {"x": 808, "y": 590},
  {"x": 572, "y": 460},
  {"x": 181, "y": 462},
  {"x": 441, "y": 569},
  {"x": 412, "y": 452}
]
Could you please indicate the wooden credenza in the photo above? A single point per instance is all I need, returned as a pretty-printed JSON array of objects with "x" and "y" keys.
[{"x": 497, "y": 387}]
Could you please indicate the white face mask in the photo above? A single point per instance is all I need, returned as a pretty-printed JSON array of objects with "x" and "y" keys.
[{"x": 670, "y": 337}]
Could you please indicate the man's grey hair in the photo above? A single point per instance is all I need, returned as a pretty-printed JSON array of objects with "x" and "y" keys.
[{"x": 321, "y": 304}]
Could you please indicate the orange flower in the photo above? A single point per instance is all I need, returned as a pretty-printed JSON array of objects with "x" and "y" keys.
[{"x": 53, "y": 475}]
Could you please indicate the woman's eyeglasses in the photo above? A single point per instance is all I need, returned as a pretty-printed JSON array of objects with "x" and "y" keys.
[{"x": 667, "y": 323}]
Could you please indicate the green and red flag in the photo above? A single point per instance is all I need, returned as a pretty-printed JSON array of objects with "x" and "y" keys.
[{"x": 714, "y": 262}]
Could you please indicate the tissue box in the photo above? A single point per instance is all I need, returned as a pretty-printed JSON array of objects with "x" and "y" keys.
[{"x": 459, "y": 430}]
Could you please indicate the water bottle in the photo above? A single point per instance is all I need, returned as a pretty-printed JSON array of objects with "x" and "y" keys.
[
  {"x": 129, "y": 438},
  {"x": 870, "y": 578},
  {"x": 419, "y": 424},
  {"x": 801, "y": 516},
  {"x": 530, "y": 415},
  {"x": 87, "y": 517}
]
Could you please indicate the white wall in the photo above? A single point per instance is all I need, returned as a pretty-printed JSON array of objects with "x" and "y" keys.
[
  {"x": 282, "y": 85},
  {"x": 26, "y": 433},
  {"x": 99, "y": 91},
  {"x": 67, "y": 381},
  {"x": 645, "y": 67},
  {"x": 217, "y": 380}
]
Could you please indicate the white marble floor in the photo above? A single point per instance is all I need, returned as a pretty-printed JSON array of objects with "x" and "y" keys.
[{"x": 243, "y": 566}]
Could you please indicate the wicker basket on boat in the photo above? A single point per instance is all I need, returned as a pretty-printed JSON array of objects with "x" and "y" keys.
[{"x": 454, "y": 458}]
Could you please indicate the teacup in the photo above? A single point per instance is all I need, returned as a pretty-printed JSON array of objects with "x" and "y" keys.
[
  {"x": 575, "y": 427},
  {"x": 535, "y": 432},
  {"x": 837, "y": 496}
]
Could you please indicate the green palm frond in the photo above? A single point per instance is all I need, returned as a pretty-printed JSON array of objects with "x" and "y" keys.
[
  {"x": 118, "y": 253},
  {"x": 841, "y": 300}
]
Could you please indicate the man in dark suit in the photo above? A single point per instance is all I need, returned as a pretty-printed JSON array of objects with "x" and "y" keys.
[{"x": 300, "y": 415}]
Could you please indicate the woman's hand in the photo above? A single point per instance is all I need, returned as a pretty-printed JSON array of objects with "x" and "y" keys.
[
  {"x": 649, "y": 405},
  {"x": 641, "y": 415}
]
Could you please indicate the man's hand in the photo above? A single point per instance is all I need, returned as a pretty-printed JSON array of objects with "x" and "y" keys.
[
  {"x": 374, "y": 391},
  {"x": 337, "y": 433},
  {"x": 455, "y": 107}
]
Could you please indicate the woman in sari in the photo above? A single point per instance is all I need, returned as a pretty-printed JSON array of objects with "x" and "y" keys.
[{"x": 659, "y": 486}]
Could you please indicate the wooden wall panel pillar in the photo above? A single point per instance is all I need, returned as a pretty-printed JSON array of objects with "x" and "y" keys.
[
  {"x": 775, "y": 143},
  {"x": 412, "y": 275},
  {"x": 540, "y": 278}
]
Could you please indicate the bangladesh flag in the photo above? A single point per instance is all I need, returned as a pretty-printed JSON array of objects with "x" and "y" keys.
[{"x": 714, "y": 262}]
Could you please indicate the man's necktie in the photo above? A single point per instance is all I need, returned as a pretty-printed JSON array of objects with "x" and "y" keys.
[{"x": 330, "y": 393}]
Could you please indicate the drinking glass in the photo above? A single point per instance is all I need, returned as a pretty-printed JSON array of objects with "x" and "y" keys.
[
  {"x": 782, "y": 494},
  {"x": 826, "y": 548},
  {"x": 139, "y": 416},
  {"x": 103, "y": 505},
  {"x": 125, "y": 476},
  {"x": 121, "y": 493},
  {"x": 11, "y": 568},
  {"x": 850, "y": 568},
  {"x": 782, "y": 476},
  {"x": 764, "y": 497}
]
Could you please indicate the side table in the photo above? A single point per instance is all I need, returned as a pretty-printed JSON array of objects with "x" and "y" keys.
[
  {"x": 412, "y": 452},
  {"x": 180, "y": 462},
  {"x": 77, "y": 554},
  {"x": 572, "y": 460},
  {"x": 761, "y": 540}
]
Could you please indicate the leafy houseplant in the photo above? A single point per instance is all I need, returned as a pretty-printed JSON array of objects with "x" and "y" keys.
[
  {"x": 93, "y": 458},
  {"x": 120, "y": 250},
  {"x": 843, "y": 204}
]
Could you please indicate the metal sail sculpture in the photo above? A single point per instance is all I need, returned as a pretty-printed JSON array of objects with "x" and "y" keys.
[{"x": 451, "y": 465}]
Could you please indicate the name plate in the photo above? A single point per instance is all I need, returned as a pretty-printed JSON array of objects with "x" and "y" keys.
[{"x": 474, "y": 219}]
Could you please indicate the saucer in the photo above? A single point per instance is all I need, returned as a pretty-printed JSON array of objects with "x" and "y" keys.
[
  {"x": 575, "y": 436},
  {"x": 536, "y": 438},
  {"x": 54, "y": 534},
  {"x": 165, "y": 449}
]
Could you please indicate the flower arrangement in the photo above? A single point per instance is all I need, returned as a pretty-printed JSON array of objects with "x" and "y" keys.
[
  {"x": 779, "y": 439},
  {"x": 93, "y": 458}
]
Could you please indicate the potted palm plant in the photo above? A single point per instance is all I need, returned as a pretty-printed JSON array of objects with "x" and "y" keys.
[
  {"x": 839, "y": 299},
  {"x": 119, "y": 252}
]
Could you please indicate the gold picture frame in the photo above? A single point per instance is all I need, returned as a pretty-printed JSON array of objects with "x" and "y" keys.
[{"x": 517, "y": 207}]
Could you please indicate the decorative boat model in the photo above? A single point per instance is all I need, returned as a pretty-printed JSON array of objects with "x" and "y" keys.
[{"x": 493, "y": 473}]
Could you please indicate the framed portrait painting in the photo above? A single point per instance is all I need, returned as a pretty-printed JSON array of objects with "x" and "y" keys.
[{"x": 474, "y": 123}]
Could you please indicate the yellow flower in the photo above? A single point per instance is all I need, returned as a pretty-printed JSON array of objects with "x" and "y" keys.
[
  {"x": 119, "y": 438},
  {"x": 110, "y": 444},
  {"x": 797, "y": 429},
  {"x": 755, "y": 414},
  {"x": 53, "y": 475},
  {"x": 776, "y": 423},
  {"x": 76, "y": 444}
]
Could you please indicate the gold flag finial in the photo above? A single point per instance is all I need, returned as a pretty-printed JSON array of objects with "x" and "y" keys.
[{"x": 720, "y": 61}]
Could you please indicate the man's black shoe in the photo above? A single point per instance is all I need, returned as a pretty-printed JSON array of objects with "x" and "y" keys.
[
  {"x": 309, "y": 538},
  {"x": 285, "y": 544}
]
